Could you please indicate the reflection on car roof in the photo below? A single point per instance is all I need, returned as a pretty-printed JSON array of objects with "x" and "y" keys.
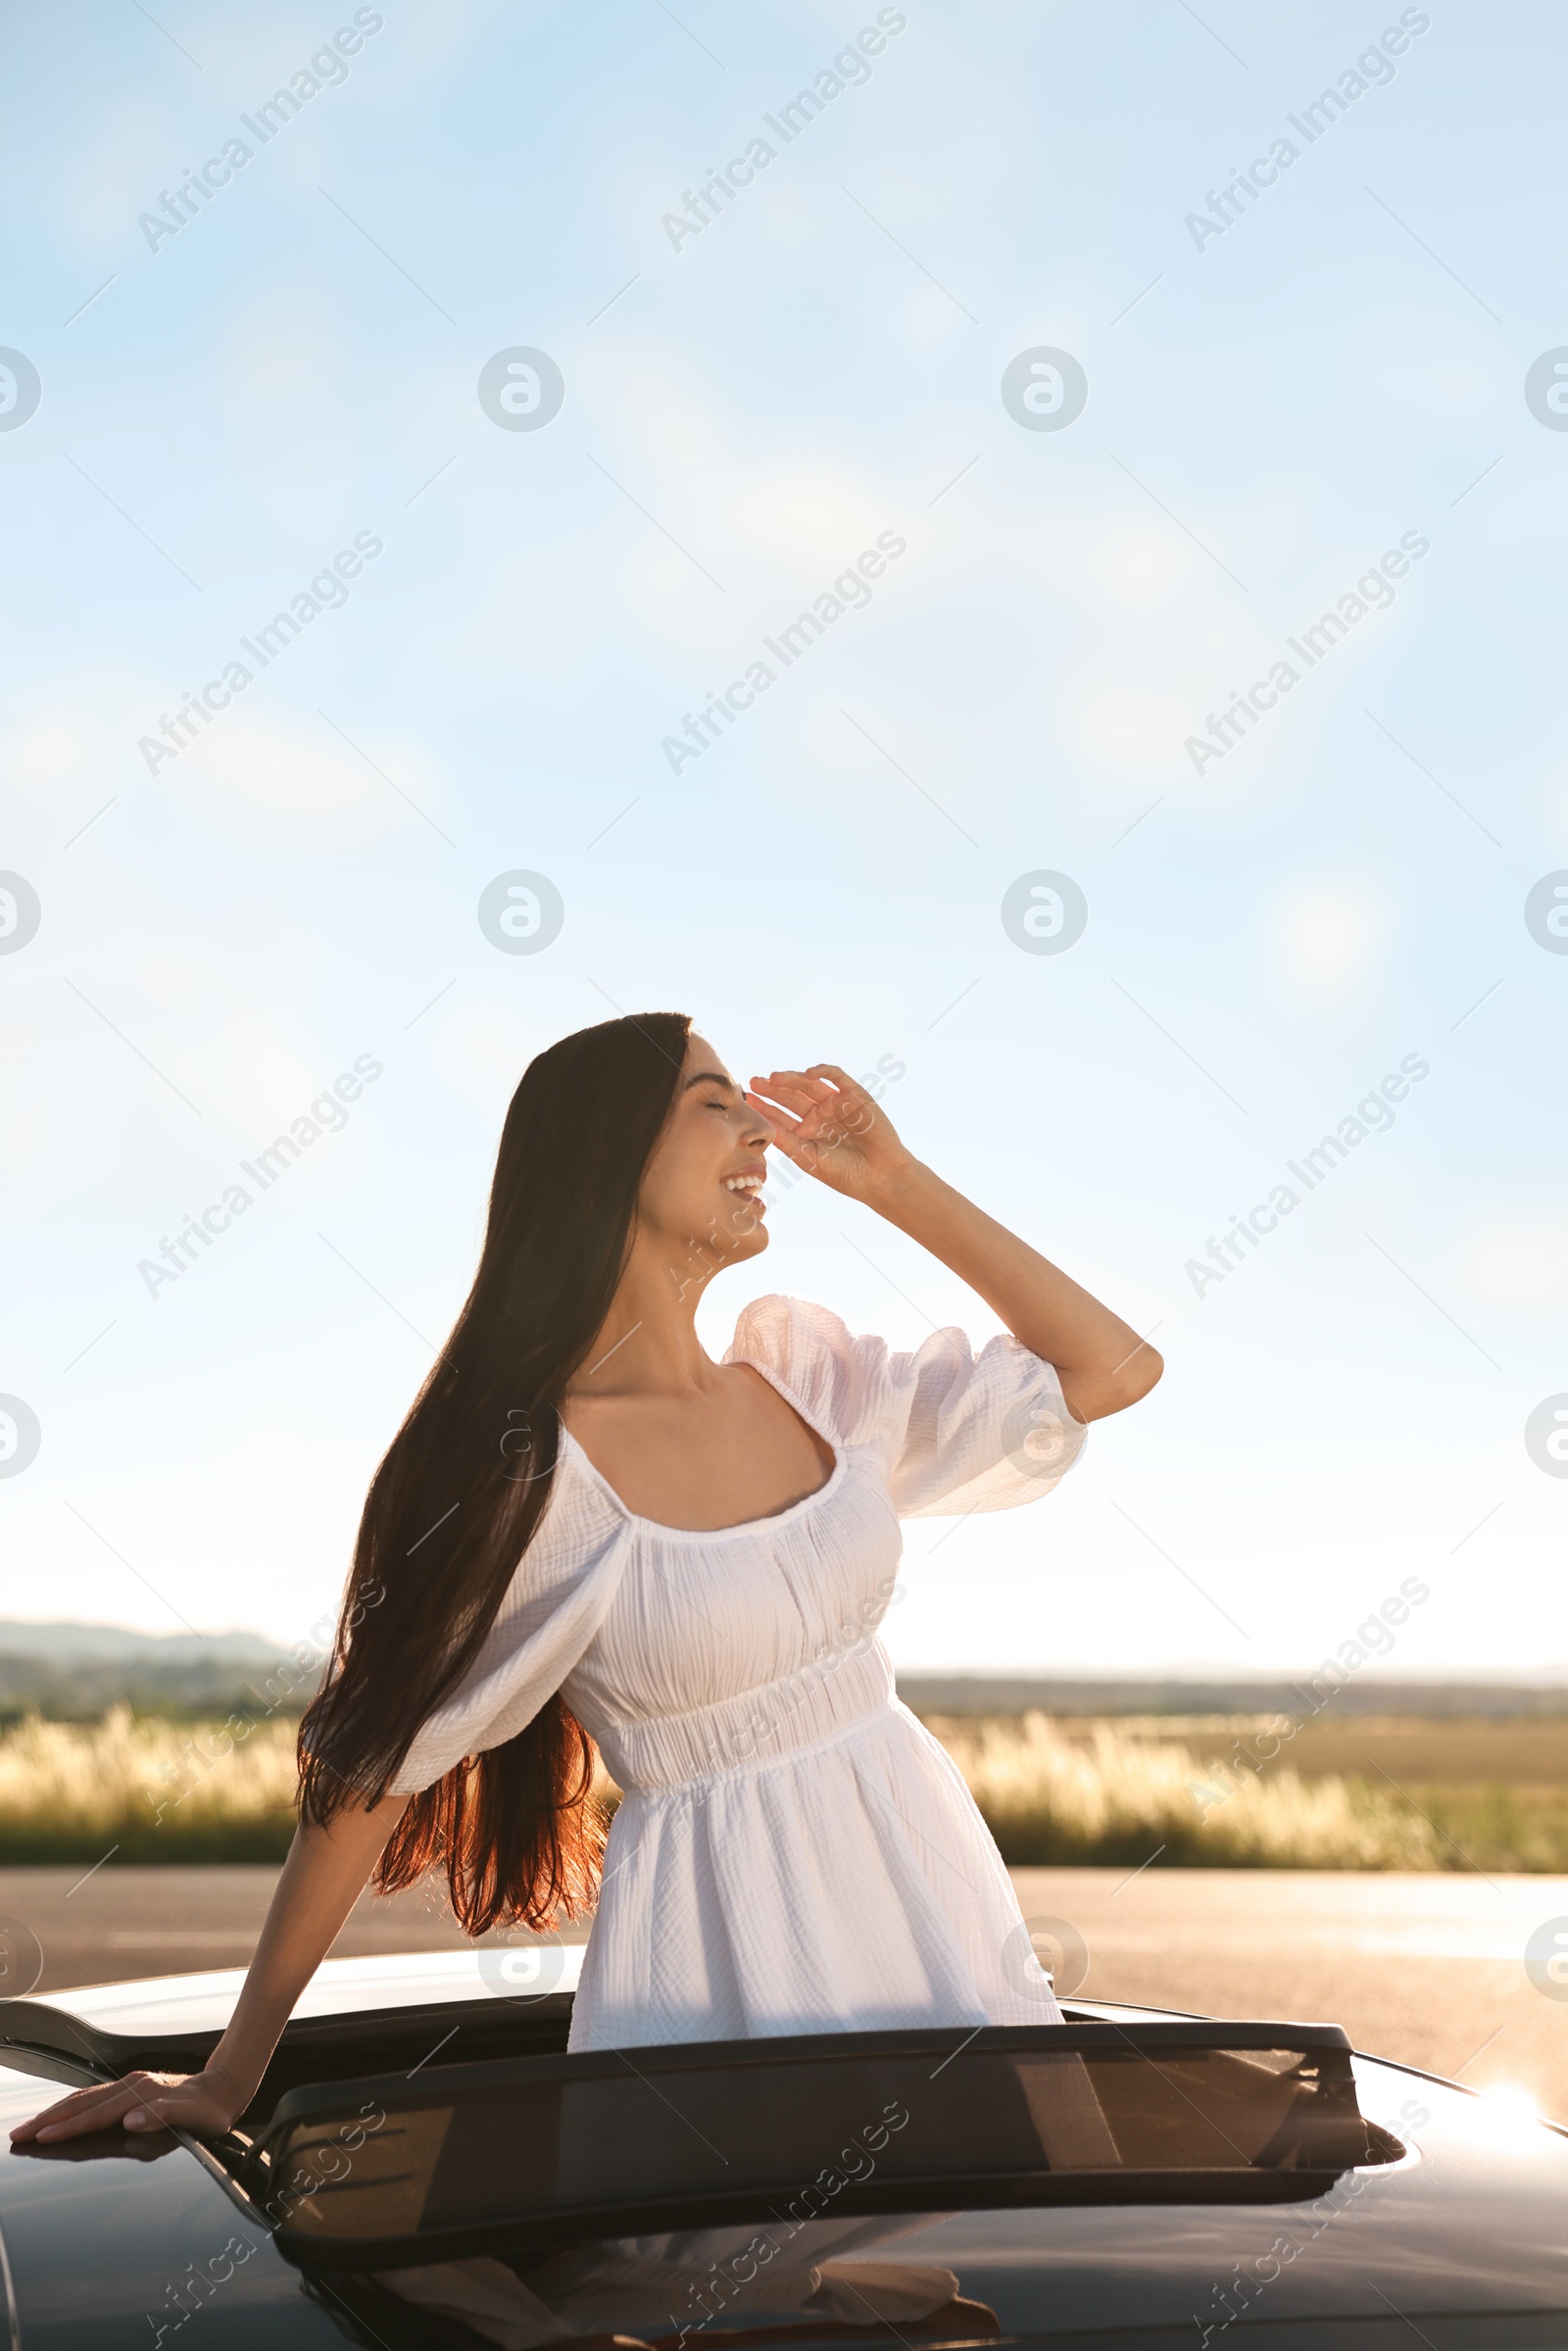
[{"x": 612, "y": 2142}]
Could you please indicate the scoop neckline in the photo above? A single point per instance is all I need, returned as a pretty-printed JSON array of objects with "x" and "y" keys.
[{"x": 740, "y": 1526}]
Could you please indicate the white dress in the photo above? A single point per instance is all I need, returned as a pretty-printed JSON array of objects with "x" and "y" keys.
[{"x": 794, "y": 1853}]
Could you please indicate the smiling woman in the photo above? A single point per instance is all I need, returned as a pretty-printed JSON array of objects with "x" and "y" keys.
[{"x": 588, "y": 1533}]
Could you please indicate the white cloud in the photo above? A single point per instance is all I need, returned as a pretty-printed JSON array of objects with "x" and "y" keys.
[
  {"x": 255, "y": 760},
  {"x": 1520, "y": 1261},
  {"x": 1327, "y": 939}
]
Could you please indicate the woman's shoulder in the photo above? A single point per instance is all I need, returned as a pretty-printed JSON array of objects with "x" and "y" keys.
[
  {"x": 959, "y": 1428},
  {"x": 781, "y": 1331},
  {"x": 812, "y": 1352},
  {"x": 580, "y": 1516}
]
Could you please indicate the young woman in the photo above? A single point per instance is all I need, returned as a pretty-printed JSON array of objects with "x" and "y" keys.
[{"x": 589, "y": 1532}]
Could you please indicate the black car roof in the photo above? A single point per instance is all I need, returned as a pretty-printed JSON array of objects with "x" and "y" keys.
[{"x": 1467, "y": 2221}]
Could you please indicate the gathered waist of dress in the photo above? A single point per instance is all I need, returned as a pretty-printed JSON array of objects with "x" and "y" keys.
[{"x": 819, "y": 1701}]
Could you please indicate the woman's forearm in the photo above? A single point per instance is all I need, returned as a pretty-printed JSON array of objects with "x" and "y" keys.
[
  {"x": 1103, "y": 1363},
  {"x": 317, "y": 1889},
  {"x": 319, "y": 1883}
]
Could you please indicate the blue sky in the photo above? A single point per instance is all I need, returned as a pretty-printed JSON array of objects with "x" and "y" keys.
[{"x": 1273, "y": 404}]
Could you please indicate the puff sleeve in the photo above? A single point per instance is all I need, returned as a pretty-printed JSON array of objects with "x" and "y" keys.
[
  {"x": 954, "y": 1430},
  {"x": 556, "y": 1603}
]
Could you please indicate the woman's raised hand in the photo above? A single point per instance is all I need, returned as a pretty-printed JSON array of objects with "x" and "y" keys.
[
  {"x": 203, "y": 2104},
  {"x": 828, "y": 1124}
]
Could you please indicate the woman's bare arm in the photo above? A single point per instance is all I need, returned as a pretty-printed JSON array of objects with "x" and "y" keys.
[
  {"x": 1103, "y": 1364},
  {"x": 831, "y": 1127},
  {"x": 317, "y": 1886}
]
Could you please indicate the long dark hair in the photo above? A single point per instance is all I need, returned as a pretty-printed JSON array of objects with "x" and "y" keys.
[{"x": 456, "y": 1502}]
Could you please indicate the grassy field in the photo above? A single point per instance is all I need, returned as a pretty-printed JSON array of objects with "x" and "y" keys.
[
  {"x": 1249, "y": 1791},
  {"x": 1219, "y": 1792},
  {"x": 1528, "y": 1751},
  {"x": 142, "y": 1788}
]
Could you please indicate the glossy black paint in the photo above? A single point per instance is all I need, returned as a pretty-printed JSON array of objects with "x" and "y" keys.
[{"x": 115, "y": 2242}]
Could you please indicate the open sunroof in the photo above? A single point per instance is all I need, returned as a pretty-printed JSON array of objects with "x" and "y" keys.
[
  {"x": 356, "y": 2017},
  {"x": 462, "y": 2160}
]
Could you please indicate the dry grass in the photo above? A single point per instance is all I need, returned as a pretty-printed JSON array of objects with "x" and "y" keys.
[
  {"x": 1054, "y": 1791},
  {"x": 151, "y": 1790},
  {"x": 1050, "y": 1798},
  {"x": 1476, "y": 1750},
  {"x": 1226, "y": 1794}
]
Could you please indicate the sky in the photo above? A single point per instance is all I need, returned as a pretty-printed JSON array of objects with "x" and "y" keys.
[{"x": 450, "y": 359}]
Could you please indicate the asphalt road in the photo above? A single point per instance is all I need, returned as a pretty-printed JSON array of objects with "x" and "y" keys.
[{"x": 1429, "y": 1970}]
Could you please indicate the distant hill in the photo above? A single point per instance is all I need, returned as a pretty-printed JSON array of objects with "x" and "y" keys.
[
  {"x": 68, "y": 1645},
  {"x": 71, "y": 1672},
  {"x": 999, "y": 1694}
]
